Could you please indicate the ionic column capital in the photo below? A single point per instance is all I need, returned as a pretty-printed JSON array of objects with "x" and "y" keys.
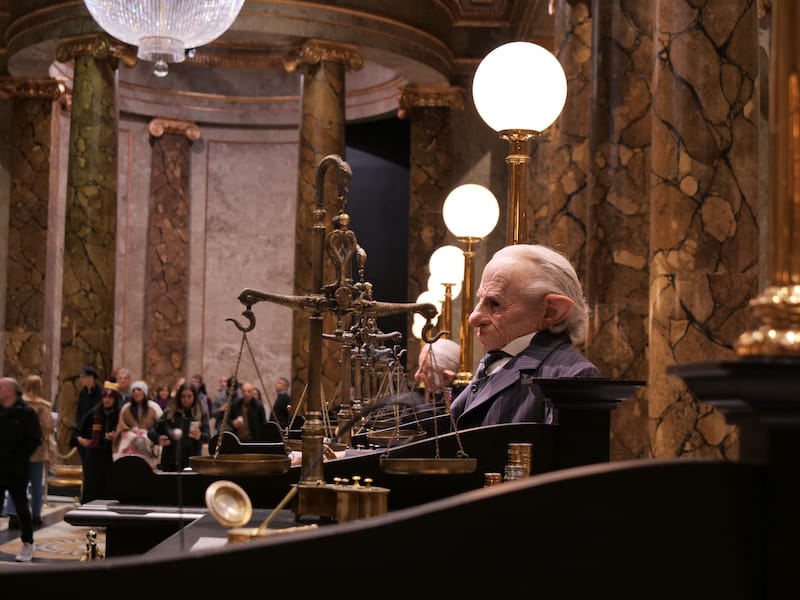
[
  {"x": 415, "y": 96},
  {"x": 315, "y": 51},
  {"x": 97, "y": 45},
  {"x": 46, "y": 88},
  {"x": 161, "y": 126}
]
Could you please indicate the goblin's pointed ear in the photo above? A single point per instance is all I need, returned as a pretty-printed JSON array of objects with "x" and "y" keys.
[{"x": 557, "y": 309}]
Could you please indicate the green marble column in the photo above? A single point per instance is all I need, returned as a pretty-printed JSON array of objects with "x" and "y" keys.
[
  {"x": 323, "y": 66},
  {"x": 167, "y": 278},
  {"x": 29, "y": 194},
  {"x": 428, "y": 110},
  {"x": 87, "y": 318}
]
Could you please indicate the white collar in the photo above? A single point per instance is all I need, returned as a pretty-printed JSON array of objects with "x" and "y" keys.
[{"x": 516, "y": 346}]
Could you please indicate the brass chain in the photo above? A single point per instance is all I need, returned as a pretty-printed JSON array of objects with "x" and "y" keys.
[{"x": 231, "y": 393}]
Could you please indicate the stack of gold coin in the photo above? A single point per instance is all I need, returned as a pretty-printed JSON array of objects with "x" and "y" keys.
[
  {"x": 490, "y": 479},
  {"x": 520, "y": 454}
]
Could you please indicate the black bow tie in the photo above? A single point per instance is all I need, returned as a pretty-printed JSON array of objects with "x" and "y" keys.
[{"x": 490, "y": 358}]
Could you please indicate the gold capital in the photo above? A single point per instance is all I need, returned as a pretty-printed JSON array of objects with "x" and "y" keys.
[
  {"x": 160, "y": 126},
  {"x": 415, "y": 96},
  {"x": 29, "y": 87},
  {"x": 97, "y": 45},
  {"x": 315, "y": 51}
]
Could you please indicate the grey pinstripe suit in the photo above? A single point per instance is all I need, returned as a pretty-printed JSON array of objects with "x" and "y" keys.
[{"x": 511, "y": 395}]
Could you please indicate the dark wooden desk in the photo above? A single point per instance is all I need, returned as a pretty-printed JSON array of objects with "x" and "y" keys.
[{"x": 132, "y": 529}]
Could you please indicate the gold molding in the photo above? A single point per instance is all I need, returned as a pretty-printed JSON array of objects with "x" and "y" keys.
[
  {"x": 31, "y": 87},
  {"x": 161, "y": 126},
  {"x": 97, "y": 45},
  {"x": 416, "y": 96},
  {"x": 209, "y": 57},
  {"x": 315, "y": 51}
]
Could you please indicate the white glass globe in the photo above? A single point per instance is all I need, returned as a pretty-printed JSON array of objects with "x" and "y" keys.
[
  {"x": 470, "y": 211},
  {"x": 519, "y": 85},
  {"x": 447, "y": 264}
]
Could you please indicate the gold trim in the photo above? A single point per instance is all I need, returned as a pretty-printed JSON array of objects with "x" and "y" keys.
[
  {"x": 160, "y": 126},
  {"x": 28, "y": 87},
  {"x": 227, "y": 59},
  {"x": 414, "y": 96},
  {"x": 315, "y": 51},
  {"x": 98, "y": 46}
]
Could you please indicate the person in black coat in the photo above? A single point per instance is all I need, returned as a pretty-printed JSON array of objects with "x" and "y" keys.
[
  {"x": 20, "y": 435},
  {"x": 96, "y": 435},
  {"x": 182, "y": 430},
  {"x": 248, "y": 419},
  {"x": 283, "y": 402},
  {"x": 88, "y": 398}
]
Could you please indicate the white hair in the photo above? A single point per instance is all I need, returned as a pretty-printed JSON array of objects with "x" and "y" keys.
[
  {"x": 550, "y": 272},
  {"x": 445, "y": 354}
]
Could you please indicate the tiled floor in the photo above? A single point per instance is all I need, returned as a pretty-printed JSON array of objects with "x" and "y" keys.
[{"x": 55, "y": 540}]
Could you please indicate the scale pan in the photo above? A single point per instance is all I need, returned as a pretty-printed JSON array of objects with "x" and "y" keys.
[
  {"x": 229, "y": 504},
  {"x": 428, "y": 466},
  {"x": 240, "y": 464}
]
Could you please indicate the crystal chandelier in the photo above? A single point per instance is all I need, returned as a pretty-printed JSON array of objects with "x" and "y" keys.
[{"x": 164, "y": 30}]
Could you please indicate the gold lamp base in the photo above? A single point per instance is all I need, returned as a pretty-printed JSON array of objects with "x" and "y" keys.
[
  {"x": 777, "y": 308},
  {"x": 462, "y": 378}
]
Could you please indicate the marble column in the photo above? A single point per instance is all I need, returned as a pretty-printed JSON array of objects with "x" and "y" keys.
[
  {"x": 323, "y": 66},
  {"x": 167, "y": 268},
  {"x": 617, "y": 284},
  {"x": 428, "y": 110},
  {"x": 704, "y": 209},
  {"x": 560, "y": 168},
  {"x": 87, "y": 318},
  {"x": 29, "y": 193}
]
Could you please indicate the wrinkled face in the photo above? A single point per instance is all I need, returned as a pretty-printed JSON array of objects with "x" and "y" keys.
[
  {"x": 187, "y": 398},
  {"x": 501, "y": 313},
  {"x": 8, "y": 395}
]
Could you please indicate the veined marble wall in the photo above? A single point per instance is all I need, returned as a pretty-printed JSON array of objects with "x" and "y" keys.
[
  {"x": 241, "y": 234},
  {"x": 243, "y": 199},
  {"x": 133, "y": 193}
]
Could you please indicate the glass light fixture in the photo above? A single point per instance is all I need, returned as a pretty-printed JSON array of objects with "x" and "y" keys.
[
  {"x": 519, "y": 90},
  {"x": 470, "y": 213},
  {"x": 163, "y": 30},
  {"x": 446, "y": 264}
]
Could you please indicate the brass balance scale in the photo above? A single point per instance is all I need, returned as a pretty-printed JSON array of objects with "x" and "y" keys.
[{"x": 355, "y": 312}]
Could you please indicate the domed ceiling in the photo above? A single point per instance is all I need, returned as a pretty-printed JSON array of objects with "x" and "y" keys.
[{"x": 241, "y": 77}]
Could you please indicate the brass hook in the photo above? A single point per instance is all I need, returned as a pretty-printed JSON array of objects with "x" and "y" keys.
[
  {"x": 251, "y": 318},
  {"x": 426, "y": 330}
]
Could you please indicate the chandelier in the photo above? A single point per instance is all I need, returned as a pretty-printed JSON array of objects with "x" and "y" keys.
[{"x": 163, "y": 30}]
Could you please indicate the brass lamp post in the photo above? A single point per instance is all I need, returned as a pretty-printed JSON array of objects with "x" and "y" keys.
[
  {"x": 446, "y": 267},
  {"x": 775, "y": 312},
  {"x": 470, "y": 213},
  {"x": 519, "y": 89}
]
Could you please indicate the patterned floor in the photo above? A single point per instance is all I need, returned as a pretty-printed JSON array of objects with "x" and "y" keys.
[{"x": 56, "y": 541}]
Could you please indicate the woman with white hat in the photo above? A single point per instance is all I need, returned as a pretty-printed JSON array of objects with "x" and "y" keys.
[{"x": 135, "y": 418}]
